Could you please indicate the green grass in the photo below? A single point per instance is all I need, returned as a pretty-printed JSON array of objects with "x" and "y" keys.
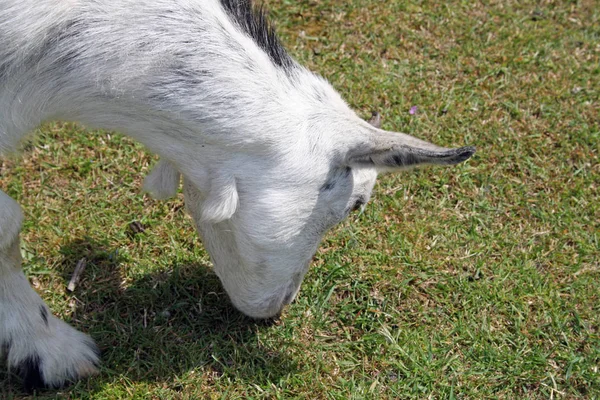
[{"x": 478, "y": 281}]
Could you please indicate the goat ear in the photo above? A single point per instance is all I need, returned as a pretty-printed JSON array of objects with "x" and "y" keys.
[
  {"x": 163, "y": 181},
  {"x": 391, "y": 150},
  {"x": 222, "y": 200}
]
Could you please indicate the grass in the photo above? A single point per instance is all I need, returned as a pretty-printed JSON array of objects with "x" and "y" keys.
[{"x": 478, "y": 281}]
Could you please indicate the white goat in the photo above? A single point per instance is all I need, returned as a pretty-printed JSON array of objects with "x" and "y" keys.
[{"x": 271, "y": 155}]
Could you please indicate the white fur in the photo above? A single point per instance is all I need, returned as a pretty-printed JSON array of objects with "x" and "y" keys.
[
  {"x": 163, "y": 181},
  {"x": 222, "y": 200},
  {"x": 11, "y": 220},
  {"x": 272, "y": 157}
]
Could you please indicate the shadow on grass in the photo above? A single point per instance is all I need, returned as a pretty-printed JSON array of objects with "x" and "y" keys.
[{"x": 162, "y": 326}]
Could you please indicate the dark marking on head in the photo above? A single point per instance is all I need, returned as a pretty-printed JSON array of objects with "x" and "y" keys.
[
  {"x": 252, "y": 20},
  {"x": 30, "y": 371},
  {"x": 44, "y": 314},
  {"x": 328, "y": 185},
  {"x": 334, "y": 177}
]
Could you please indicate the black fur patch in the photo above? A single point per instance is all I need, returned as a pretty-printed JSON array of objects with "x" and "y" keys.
[
  {"x": 51, "y": 49},
  {"x": 403, "y": 160},
  {"x": 334, "y": 177},
  {"x": 53, "y": 45},
  {"x": 253, "y": 21},
  {"x": 29, "y": 370},
  {"x": 4, "y": 348},
  {"x": 44, "y": 314},
  {"x": 328, "y": 185},
  {"x": 358, "y": 203}
]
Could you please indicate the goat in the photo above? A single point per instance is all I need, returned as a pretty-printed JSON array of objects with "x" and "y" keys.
[{"x": 270, "y": 154}]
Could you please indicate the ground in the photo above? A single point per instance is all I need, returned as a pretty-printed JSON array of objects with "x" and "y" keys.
[{"x": 476, "y": 281}]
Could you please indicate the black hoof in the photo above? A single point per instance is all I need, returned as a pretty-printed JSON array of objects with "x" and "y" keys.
[{"x": 29, "y": 370}]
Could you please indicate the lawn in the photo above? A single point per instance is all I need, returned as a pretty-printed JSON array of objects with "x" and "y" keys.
[{"x": 475, "y": 281}]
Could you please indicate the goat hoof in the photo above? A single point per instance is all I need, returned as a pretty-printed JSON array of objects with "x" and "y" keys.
[{"x": 54, "y": 359}]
